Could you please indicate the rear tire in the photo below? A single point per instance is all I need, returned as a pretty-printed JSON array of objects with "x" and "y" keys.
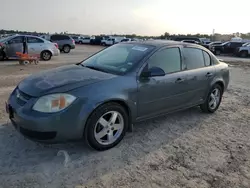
[
  {"x": 66, "y": 49},
  {"x": 113, "y": 135},
  {"x": 213, "y": 101},
  {"x": 80, "y": 42},
  {"x": 46, "y": 55}
]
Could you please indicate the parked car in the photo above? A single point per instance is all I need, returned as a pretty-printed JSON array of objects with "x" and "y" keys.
[
  {"x": 211, "y": 44},
  {"x": 243, "y": 51},
  {"x": 82, "y": 39},
  {"x": 108, "y": 42},
  {"x": 65, "y": 42},
  {"x": 36, "y": 46},
  {"x": 226, "y": 48},
  {"x": 96, "y": 40},
  {"x": 76, "y": 39},
  {"x": 102, "y": 97},
  {"x": 190, "y": 41},
  {"x": 198, "y": 40},
  {"x": 126, "y": 40}
]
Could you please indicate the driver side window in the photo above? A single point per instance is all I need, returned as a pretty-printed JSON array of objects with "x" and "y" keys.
[{"x": 167, "y": 59}]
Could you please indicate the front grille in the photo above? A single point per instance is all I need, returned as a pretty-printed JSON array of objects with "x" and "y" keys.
[{"x": 21, "y": 97}]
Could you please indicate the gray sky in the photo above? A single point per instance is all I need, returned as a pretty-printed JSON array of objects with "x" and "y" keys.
[{"x": 145, "y": 17}]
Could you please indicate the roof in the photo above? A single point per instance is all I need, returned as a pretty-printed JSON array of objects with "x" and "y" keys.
[{"x": 161, "y": 43}]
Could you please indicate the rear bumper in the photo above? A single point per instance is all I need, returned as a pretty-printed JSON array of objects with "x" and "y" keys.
[{"x": 56, "y": 52}]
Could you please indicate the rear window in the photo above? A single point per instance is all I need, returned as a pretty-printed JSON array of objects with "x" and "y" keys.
[{"x": 60, "y": 37}]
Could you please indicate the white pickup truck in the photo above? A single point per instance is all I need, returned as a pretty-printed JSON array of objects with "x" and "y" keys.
[
  {"x": 243, "y": 51},
  {"x": 111, "y": 40}
]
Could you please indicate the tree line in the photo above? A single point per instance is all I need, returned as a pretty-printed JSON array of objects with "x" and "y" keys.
[{"x": 166, "y": 35}]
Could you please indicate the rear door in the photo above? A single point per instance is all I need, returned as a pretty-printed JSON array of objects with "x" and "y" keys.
[
  {"x": 200, "y": 73},
  {"x": 14, "y": 45},
  {"x": 35, "y": 45}
]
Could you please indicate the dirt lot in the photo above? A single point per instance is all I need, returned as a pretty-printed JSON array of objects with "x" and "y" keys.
[{"x": 185, "y": 149}]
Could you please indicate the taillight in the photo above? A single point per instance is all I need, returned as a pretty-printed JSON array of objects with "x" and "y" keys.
[
  {"x": 56, "y": 45},
  {"x": 73, "y": 41}
]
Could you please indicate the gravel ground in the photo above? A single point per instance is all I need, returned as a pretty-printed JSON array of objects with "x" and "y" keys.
[{"x": 186, "y": 149}]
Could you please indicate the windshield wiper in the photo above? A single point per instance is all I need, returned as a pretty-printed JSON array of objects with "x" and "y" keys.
[{"x": 93, "y": 68}]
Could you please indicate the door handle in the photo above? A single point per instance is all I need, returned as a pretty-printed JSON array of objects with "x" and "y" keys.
[
  {"x": 179, "y": 80},
  {"x": 209, "y": 74}
]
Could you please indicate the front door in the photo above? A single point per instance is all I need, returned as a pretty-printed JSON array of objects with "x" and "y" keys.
[
  {"x": 14, "y": 45},
  {"x": 162, "y": 93}
]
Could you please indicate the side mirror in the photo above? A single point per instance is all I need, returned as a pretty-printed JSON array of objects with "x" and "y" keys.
[{"x": 153, "y": 71}]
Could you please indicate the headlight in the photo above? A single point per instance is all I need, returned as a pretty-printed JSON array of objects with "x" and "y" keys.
[{"x": 53, "y": 103}]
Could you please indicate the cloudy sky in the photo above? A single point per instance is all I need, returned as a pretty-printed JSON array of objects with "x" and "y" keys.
[{"x": 145, "y": 17}]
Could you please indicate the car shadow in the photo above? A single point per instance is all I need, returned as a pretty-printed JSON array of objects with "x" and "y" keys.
[{"x": 20, "y": 156}]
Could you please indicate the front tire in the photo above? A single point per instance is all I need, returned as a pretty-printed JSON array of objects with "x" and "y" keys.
[
  {"x": 106, "y": 126},
  {"x": 213, "y": 100}
]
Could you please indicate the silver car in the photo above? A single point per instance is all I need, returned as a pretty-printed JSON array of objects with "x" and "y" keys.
[{"x": 36, "y": 46}]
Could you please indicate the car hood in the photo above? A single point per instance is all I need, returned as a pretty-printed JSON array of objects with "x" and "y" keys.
[{"x": 61, "y": 79}]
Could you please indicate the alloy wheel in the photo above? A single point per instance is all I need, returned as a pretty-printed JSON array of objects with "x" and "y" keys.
[
  {"x": 214, "y": 99},
  {"x": 109, "y": 128}
]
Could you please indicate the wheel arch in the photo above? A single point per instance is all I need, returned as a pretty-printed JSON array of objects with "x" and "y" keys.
[
  {"x": 220, "y": 82},
  {"x": 119, "y": 101}
]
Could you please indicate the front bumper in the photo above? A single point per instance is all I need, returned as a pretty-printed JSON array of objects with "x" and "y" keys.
[{"x": 45, "y": 127}]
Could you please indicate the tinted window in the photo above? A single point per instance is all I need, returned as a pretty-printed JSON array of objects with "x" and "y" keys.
[
  {"x": 193, "y": 58},
  {"x": 16, "y": 40},
  {"x": 118, "y": 59},
  {"x": 207, "y": 58},
  {"x": 59, "y": 37},
  {"x": 34, "y": 40},
  {"x": 168, "y": 59}
]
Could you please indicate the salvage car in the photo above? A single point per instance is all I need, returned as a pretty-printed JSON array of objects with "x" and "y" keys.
[
  {"x": 101, "y": 98},
  {"x": 36, "y": 46}
]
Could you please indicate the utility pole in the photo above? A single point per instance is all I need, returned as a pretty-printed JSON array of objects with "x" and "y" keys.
[{"x": 213, "y": 35}]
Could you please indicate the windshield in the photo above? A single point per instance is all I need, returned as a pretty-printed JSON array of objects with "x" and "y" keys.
[
  {"x": 7, "y": 38},
  {"x": 118, "y": 59}
]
